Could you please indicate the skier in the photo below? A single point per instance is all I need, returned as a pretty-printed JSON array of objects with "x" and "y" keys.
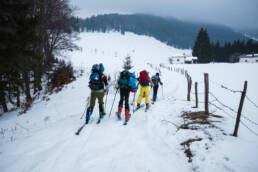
[
  {"x": 144, "y": 81},
  {"x": 97, "y": 83},
  {"x": 126, "y": 83},
  {"x": 156, "y": 81}
]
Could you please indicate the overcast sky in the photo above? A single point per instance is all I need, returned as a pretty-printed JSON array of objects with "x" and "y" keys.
[{"x": 237, "y": 14}]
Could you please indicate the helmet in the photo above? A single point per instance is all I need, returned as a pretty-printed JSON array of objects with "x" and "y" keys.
[
  {"x": 101, "y": 67},
  {"x": 157, "y": 74},
  {"x": 95, "y": 67}
]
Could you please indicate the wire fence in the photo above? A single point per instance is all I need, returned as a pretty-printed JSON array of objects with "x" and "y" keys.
[
  {"x": 225, "y": 87},
  {"x": 216, "y": 102}
]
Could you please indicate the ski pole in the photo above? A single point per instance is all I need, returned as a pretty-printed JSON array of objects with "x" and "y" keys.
[
  {"x": 162, "y": 90},
  {"x": 86, "y": 106},
  {"x": 113, "y": 103},
  {"x": 134, "y": 100},
  {"x": 106, "y": 101}
]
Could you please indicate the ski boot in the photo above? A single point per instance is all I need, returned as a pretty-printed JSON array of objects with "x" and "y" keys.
[
  {"x": 127, "y": 116},
  {"x": 118, "y": 114},
  {"x": 101, "y": 116},
  {"x": 147, "y": 107},
  {"x": 88, "y": 115}
]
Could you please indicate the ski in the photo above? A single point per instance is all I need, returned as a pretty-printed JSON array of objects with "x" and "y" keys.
[
  {"x": 138, "y": 108},
  {"x": 126, "y": 121},
  {"x": 99, "y": 120},
  {"x": 147, "y": 108},
  {"x": 118, "y": 116},
  {"x": 80, "y": 129}
]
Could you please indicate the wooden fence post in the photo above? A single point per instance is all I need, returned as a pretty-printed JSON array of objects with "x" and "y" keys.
[
  {"x": 206, "y": 91},
  {"x": 189, "y": 86},
  {"x": 240, "y": 109},
  {"x": 196, "y": 95}
]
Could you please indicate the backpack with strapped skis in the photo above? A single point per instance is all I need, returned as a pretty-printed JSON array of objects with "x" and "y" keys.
[{"x": 144, "y": 79}]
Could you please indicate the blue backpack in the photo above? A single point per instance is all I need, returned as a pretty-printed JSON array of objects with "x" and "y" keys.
[
  {"x": 132, "y": 83},
  {"x": 95, "y": 81}
]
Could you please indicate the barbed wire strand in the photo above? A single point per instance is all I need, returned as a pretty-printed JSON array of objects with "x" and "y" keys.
[
  {"x": 216, "y": 99},
  {"x": 224, "y": 87},
  {"x": 251, "y": 101},
  {"x": 248, "y": 119},
  {"x": 244, "y": 116},
  {"x": 222, "y": 110},
  {"x": 248, "y": 128}
]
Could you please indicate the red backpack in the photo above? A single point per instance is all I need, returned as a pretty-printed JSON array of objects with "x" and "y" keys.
[{"x": 144, "y": 79}]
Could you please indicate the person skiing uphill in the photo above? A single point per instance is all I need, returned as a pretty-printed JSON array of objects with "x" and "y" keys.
[
  {"x": 126, "y": 83},
  {"x": 156, "y": 81},
  {"x": 97, "y": 83},
  {"x": 144, "y": 81}
]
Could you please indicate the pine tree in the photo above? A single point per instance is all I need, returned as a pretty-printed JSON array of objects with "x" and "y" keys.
[
  {"x": 128, "y": 63},
  {"x": 202, "y": 47}
]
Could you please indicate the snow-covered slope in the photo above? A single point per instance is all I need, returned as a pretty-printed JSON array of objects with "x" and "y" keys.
[{"x": 43, "y": 139}]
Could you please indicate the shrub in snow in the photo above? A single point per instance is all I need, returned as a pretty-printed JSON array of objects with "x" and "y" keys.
[{"x": 62, "y": 74}]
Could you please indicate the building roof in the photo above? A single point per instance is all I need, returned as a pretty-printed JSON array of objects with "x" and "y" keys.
[
  {"x": 186, "y": 57},
  {"x": 248, "y": 56},
  {"x": 190, "y": 58}
]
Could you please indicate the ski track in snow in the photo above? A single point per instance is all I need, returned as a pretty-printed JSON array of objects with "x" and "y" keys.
[{"x": 146, "y": 144}]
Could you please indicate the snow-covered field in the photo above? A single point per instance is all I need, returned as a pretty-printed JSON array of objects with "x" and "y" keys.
[{"x": 43, "y": 139}]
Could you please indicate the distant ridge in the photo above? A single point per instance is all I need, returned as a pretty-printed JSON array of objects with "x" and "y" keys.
[{"x": 180, "y": 34}]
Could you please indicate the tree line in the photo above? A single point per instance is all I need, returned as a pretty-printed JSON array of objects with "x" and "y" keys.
[
  {"x": 180, "y": 34},
  {"x": 33, "y": 33},
  {"x": 208, "y": 51}
]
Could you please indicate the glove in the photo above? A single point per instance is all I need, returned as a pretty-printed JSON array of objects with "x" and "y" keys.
[
  {"x": 117, "y": 86},
  {"x": 161, "y": 83}
]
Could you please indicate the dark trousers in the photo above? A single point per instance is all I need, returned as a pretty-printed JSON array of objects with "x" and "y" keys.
[
  {"x": 93, "y": 97},
  {"x": 124, "y": 96},
  {"x": 155, "y": 91}
]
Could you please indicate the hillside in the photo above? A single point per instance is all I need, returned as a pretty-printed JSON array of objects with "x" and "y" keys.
[
  {"x": 44, "y": 139},
  {"x": 180, "y": 34}
]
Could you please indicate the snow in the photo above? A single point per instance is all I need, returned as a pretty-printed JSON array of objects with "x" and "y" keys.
[{"x": 43, "y": 139}]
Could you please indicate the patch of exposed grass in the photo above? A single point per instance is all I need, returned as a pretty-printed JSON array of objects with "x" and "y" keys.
[{"x": 197, "y": 121}]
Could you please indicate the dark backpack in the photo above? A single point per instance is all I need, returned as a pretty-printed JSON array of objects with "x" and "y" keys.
[
  {"x": 144, "y": 79},
  {"x": 124, "y": 79},
  {"x": 95, "y": 81},
  {"x": 155, "y": 80}
]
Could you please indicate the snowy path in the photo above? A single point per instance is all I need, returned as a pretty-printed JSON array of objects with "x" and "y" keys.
[{"x": 110, "y": 146}]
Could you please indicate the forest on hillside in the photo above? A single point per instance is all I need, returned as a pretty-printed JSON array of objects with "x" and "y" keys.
[{"x": 180, "y": 34}]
